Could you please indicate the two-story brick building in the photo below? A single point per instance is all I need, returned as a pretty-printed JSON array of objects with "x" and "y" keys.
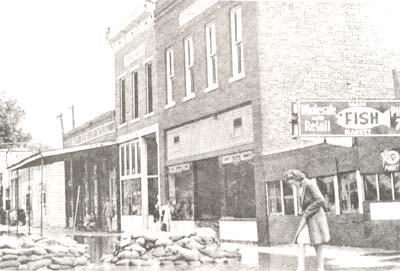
[{"x": 137, "y": 117}]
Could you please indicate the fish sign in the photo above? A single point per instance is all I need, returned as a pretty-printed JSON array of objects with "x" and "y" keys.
[{"x": 349, "y": 118}]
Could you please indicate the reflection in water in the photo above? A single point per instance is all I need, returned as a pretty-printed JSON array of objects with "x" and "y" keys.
[{"x": 98, "y": 246}]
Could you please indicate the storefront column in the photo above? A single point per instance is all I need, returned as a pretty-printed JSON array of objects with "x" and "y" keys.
[
  {"x": 360, "y": 191},
  {"x": 144, "y": 186},
  {"x": 337, "y": 200}
]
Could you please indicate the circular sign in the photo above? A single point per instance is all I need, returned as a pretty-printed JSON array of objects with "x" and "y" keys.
[{"x": 392, "y": 157}]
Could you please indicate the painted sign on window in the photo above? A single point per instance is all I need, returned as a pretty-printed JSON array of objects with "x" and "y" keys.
[
  {"x": 349, "y": 118},
  {"x": 391, "y": 160}
]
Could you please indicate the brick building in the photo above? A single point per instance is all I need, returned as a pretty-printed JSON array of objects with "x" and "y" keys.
[
  {"x": 228, "y": 75},
  {"x": 137, "y": 118}
]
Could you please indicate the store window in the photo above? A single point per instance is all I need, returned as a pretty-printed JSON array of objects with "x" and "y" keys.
[
  {"x": 288, "y": 199},
  {"x": 135, "y": 94},
  {"x": 327, "y": 188},
  {"x": 130, "y": 159},
  {"x": 274, "y": 197},
  {"x": 180, "y": 191},
  {"x": 170, "y": 72},
  {"x": 236, "y": 37},
  {"x": 348, "y": 193},
  {"x": 189, "y": 70},
  {"x": 385, "y": 187},
  {"x": 211, "y": 50},
  {"x": 396, "y": 185},
  {"x": 370, "y": 191},
  {"x": 239, "y": 188},
  {"x": 122, "y": 102},
  {"x": 149, "y": 87},
  {"x": 131, "y": 197}
]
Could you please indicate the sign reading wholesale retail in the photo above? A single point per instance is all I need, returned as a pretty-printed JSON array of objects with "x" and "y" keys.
[{"x": 349, "y": 118}]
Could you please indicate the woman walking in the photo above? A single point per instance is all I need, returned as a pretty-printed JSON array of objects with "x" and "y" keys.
[{"x": 313, "y": 228}]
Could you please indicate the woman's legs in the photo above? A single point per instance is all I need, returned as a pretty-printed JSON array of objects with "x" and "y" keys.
[
  {"x": 301, "y": 257},
  {"x": 320, "y": 257}
]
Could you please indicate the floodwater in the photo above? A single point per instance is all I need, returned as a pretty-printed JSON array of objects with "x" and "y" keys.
[{"x": 263, "y": 261}]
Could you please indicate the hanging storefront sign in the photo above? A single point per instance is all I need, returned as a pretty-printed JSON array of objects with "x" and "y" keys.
[
  {"x": 349, "y": 118},
  {"x": 391, "y": 160}
]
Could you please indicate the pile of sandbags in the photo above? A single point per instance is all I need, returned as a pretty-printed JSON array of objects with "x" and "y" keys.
[
  {"x": 199, "y": 247},
  {"x": 35, "y": 252}
]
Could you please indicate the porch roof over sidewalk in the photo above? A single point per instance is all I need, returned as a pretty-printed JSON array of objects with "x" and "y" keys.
[{"x": 55, "y": 155}]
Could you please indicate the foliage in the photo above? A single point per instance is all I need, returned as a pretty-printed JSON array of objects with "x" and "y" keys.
[{"x": 10, "y": 116}]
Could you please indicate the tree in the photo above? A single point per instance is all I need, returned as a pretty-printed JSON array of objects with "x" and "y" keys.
[{"x": 10, "y": 116}]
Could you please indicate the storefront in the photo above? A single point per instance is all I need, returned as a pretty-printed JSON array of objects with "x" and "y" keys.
[
  {"x": 357, "y": 189},
  {"x": 139, "y": 180}
]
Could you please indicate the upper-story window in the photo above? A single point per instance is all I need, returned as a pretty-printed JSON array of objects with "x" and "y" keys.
[
  {"x": 170, "y": 72},
  {"x": 189, "y": 73},
  {"x": 122, "y": 102},
  {"x": 149, "y": 87},
  {"x": 211, "y": 48},
  {"x": 237, "y": 42},
  {"x": 135, "y": 94}
]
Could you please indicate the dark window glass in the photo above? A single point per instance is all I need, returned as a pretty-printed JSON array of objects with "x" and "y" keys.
[
  {"x": 122, "y": 101},
  {"x": 370, "y": 187},
  {"x": 385, "y": 187},
  {"x": 288, "y": 199},
  {"x": 348, "y": 193},
  {"x": 274, "y": 197},
  {"x": 149, "y": 86},
  {"x": 326, "y": 186},
  {"x": 131, "y": 197}
]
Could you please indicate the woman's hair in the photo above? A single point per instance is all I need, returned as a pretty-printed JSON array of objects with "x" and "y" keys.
[{"x": 294, "y": 174}]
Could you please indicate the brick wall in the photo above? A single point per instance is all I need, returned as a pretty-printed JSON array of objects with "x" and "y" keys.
[{"x": 318, "y": 50}]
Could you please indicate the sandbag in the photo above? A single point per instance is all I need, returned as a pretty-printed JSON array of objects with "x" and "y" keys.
[
  {"x": 81, "y": 260},
  {"x": 105, "y": 256},
  {"x": 180, "y": 262},
  {"x": 57, "y": 249},
  {"x": 193, "y": 245},
  {"x": 189, "y": 255},
  {"x": 131, "y": 255},
  {"x": 137, "y": 262},
  {"x": 9, "y": 264},
  {"x": 23, "y": 267},
  {"x": 23, "y": 259},
  {"x": 195, "y": 263},
  {"x": 205, "y": 259},
  {"x": 27, "y": 242},
  {"x": 74, "y": 252},
  {"x": 231, "y": 254},
  {"x": 9, "y": 242},
  {"x": 39, "y": 264},
  {"x": 124, "y": 262},
  {"x": 176, "y": 238},
  {"x": 183, "y": 242},
  {"x": 221, "y": 260},
  {"x": 63, "y": 261},
  {"x": 138, "y": 248},
  {"x": 159, "y": 252},
  {"x": 212, "y": 251},
  {"x": 9, "y": 257},
  {"x": 11, "y": 251},
  {"x": 38, "y": 251},
  {"x": 163, "y": 242},
  {"x": 167, "y": 263},
  {"x": 141, "y": 241}
]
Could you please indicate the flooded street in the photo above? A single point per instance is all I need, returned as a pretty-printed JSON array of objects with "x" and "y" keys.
[{"x": 251, "y": 260}]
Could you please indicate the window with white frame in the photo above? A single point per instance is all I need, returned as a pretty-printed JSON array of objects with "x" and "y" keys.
[
  {"x": 129, "y": 157},
  {"x": 326, "y": 185},
  {"x": 135, "y": 94},
  {"x": 149, "y": 87},
  {"x": 169, "y": 54},
  {"x": 381, "y": 187},
  {"x": 122, "y": 102},
  {"x": 237, "y": 44},
  {"x": 211, "y": 49},
  {"x": 348, "y": 192},
  {"x": 189, "y": 74},
  {"x": 274, "y": 193}
]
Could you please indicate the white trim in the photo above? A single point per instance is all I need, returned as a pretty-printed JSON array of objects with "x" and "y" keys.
[
  {"x": 282, "y": 198},
  {"x": 392, "y": 184},
  {"x": 134, "y": 68},
  {"x": 292, "y": 148},
  {"x": 211, "y": 88},
  {"x": 148, "y": 115},
  {"x": 144, "y": 131},
  {"x": 360, "y": 191},
  {"x": 45, "y": 154},
  {"x": 122, "y": 125},
  {"x": 172, "y": 104},
  {"x": 189, "y": 97},
  {"x": 237, "y": 77},
  {"x": 295, "y": 201},
  {"x": 336, "y": 189},
  {"x": 134, "y": 120},
  {"x": 147, "y": 60},
  {"x": 122, "y": 75}
]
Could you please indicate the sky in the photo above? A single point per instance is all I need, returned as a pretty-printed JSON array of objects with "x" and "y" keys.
[{"x": 54, "y": 54}]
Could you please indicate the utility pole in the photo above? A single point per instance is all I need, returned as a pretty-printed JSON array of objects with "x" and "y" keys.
[
  {"x": 73, "y": 116},
  {"x": 62, "y": 128},
  {"x": 396, "y": 84}
]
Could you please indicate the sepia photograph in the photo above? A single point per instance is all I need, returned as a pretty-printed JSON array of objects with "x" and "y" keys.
[{"x": 200, "y": 135}]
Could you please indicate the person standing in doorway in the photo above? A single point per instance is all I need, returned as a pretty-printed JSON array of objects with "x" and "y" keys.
[
  {"x": 108, "y": 212},
  {"x": 313, "y": 228},
  {"x": 166, "y": 216}
]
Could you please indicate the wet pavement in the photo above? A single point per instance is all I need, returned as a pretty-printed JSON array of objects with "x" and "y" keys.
[{"x": 261, "y": 258}]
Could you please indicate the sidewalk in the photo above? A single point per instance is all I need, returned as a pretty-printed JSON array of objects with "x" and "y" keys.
[{"x": 337, "y": 258}]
